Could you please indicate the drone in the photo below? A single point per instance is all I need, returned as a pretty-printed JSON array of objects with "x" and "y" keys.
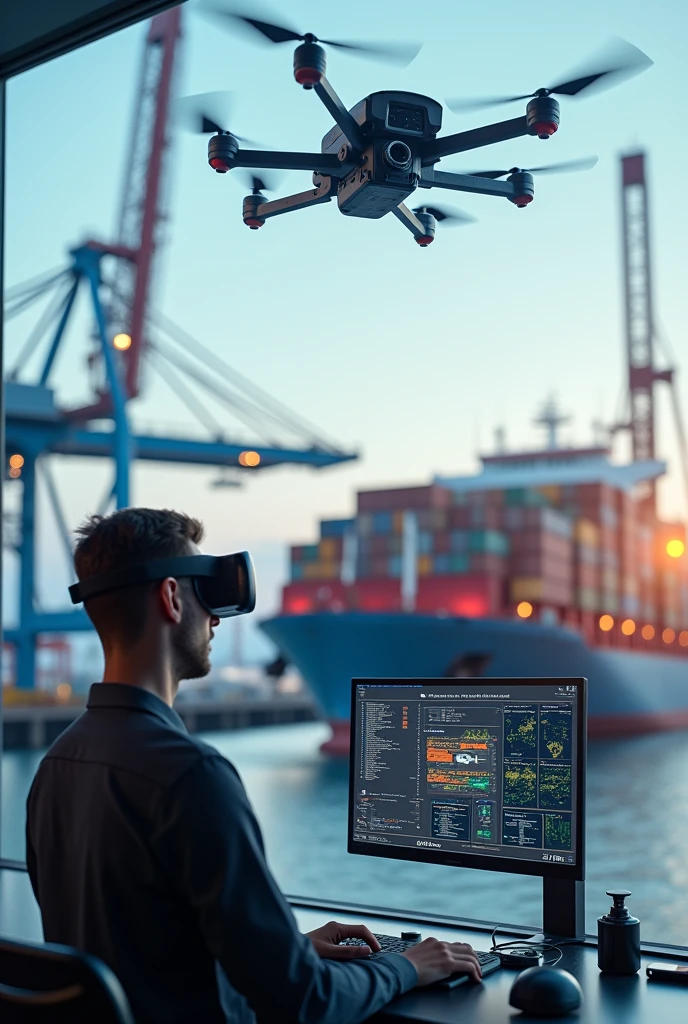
[{"x": 388, "y": 145}]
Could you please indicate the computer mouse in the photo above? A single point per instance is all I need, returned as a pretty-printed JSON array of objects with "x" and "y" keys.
[{"x": 545, "y": 992}]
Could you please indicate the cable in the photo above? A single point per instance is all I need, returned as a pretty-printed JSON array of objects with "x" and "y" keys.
[
  {"x": 39, "y": 282},
  {"x": 182, "y": 392},
  {"x": 58, "y": 300},
  {"x": 527, "y": 946},
  {"x": 273, "y": 406}
]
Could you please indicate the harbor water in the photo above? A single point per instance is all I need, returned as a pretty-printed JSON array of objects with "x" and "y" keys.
[{"x": 637, "y": 832}]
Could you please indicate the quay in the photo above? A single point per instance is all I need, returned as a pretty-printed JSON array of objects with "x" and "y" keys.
[{"x": 34, "y": 728}]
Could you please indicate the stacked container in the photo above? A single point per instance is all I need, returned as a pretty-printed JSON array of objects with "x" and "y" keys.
[{"x": 541, "y": 559}]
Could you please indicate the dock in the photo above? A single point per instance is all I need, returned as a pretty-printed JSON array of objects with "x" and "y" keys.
[{"x": 35, "y": 728}]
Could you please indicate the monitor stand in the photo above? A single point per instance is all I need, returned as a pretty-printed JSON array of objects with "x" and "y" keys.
[{"x": 563, "y": 908}]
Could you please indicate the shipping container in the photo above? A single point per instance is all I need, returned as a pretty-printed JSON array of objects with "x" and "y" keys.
[
  {"x": 336, "y": 527},
  {"x": 404, "y": 498},
  {"x": 469, "y": 596},
  {"x": 424, "y": 565}
]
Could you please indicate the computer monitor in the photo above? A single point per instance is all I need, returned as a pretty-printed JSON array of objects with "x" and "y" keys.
[{"x": 483, "y": 773}]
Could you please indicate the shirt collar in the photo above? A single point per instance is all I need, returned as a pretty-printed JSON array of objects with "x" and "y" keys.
[{"x": 134, "y": 698}]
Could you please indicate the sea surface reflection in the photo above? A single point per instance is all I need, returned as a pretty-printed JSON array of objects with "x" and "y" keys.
[{"x": 637, "y": 832}]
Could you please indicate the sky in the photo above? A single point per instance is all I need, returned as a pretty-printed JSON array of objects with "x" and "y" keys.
[{"x": 410, "y": 356}]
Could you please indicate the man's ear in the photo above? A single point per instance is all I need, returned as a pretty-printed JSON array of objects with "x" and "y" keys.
[{"x": 170, "y": 596}]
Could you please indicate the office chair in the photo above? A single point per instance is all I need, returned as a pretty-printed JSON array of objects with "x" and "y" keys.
[{"x": 58, "y": 985}]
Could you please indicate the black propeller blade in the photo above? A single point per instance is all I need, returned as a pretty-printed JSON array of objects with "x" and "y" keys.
[
  {"x": 207, "y": 113},
  {"x": 584, "y": 164},
  {"x": 396, "y": 53},
  {"x": 441, "y": 213},
  {"x": 266, "y": 183},
  {"x": 621, "y": 60}
]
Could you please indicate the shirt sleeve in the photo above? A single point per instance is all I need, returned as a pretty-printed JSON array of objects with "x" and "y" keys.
[{"x": 209, "y": 842}]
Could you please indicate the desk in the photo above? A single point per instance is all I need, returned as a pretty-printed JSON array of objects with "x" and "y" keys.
[{"x": 608, "y": 1000}]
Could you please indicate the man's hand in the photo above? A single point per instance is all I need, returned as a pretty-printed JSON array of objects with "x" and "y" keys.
[
  {"x": 435, "y": 960},
  {"x": 326, "y": 941}
]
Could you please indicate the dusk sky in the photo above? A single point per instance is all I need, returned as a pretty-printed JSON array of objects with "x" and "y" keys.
[{"x": 410, "y": 356}]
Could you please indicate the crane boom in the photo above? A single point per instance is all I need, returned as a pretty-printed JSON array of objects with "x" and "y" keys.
[{"x": 141, "y": 209}]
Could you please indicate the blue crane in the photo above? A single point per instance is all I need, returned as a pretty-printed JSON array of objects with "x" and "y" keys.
[{"x": 116, "y": 279}]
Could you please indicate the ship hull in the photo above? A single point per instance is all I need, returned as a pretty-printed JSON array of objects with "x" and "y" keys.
[{"x": 630, "y": 692}]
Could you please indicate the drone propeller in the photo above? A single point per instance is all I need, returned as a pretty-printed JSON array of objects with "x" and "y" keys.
[
  {"x": 396, "y": 53},
  {"x": 259, "y": 185},
  {"x": 623, "y": 58},
  {"x": 585, "y": 164},
  {"x": 442, "y": 214},
  {"x": 207, "y": 113}
]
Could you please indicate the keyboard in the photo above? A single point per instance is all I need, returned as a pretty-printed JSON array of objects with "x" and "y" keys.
[{"x": 489, "y": 962}]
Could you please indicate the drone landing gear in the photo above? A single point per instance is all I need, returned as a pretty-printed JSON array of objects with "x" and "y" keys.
[{"x": 257, "y": 208}]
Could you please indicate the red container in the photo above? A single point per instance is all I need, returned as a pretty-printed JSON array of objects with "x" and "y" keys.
[
  {"x": 309, "y": 596},
  {"x": 411, "y": 498},
  {"x": 471, "y": 596},
  {"x": 441, "y": 542},
  {"x": 379, "y": 595},
  {"x": 489, "y": 564}
]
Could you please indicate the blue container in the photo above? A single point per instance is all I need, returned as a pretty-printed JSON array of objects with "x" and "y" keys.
[
  {"x": 382, "y": 522},
  {"x": 488, "y": 541},
  {"x": 335, "y": 527},
  {"x": 296, "y": 571},
  {"x": 459, "y": 540},
  {"x": 425, "y": 542},
  {"x": 310, "y": 553},
  {"x": 442, "y": 564},
  {"x": 394, "y": 566},
  {"x": 460, "y": 563}
]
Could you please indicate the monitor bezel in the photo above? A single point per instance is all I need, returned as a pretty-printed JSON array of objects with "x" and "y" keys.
[{"x": 573, "y": 872}]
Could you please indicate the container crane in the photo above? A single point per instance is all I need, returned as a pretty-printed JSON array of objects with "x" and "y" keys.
[{"x": 117, "y": 279}]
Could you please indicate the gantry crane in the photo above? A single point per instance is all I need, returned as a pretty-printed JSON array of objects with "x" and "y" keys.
[{"x": 117, "y": 280}]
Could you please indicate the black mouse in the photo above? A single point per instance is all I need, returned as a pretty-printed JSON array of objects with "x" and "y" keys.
[{"x": 545, "y": 992}]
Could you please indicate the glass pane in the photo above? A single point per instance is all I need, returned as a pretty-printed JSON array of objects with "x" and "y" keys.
[{"x": 407, "y": 359}]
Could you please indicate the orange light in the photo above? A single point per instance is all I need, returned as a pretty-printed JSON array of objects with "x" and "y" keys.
[
  {"x": 15, "y": 472},
  {"x": 683, "y": 638},
  {"x": 16, "y": 461},
  {"x": 675, "y": 548},
  {"x": 606, "y": 623},
  {"x": 628, "y": 627},
  {"x": 524, "y": 610},
  {"x": 249, "y": 459},
  {"x": 63, "y": 690},
  {"x": 669, "y": 635},
  {"x": 648, "y": 632},
  {"x": 122, "y": 342}
]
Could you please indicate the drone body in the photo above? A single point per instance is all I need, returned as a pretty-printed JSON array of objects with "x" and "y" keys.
[{"x": 388, "y": 145}]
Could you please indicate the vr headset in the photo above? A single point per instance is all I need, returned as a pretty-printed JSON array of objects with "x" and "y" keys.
[{"x": 225, "y": 584}]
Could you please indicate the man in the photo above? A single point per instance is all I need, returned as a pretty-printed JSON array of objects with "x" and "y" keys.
[{"x": 142, "y": 846}]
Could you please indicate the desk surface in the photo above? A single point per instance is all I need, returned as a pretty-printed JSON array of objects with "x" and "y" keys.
[{"x": 607, "y": 1000}]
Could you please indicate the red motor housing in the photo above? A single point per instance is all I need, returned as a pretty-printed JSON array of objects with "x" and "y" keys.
[
  {"x": 309, "y": 64},
  {"x": 543, "y": 116}
]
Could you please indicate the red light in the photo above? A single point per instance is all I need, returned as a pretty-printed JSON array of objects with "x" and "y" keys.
[
  {"x": 522, "y": 201},
  {"x": 543, "y": 129},
  {"x": 218, "y": 165},
  {"x": 307, "y": 77},
  {"x": 425, "y": 240},
  {"x": 253, "y": 223},
  {"x": 298, "y": 605},
  {"x": 470, "y": 607}
]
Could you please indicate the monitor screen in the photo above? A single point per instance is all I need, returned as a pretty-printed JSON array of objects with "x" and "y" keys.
[{"x": 485, "y": 773}]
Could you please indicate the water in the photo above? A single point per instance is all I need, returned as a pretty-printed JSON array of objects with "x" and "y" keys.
[{"x": 637, "y": 832}]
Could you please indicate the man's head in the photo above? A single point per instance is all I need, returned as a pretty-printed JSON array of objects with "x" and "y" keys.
[{"x": 165, "y": 615}]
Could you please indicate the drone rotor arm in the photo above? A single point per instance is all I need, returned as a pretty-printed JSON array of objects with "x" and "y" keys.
[
  {"x": 462, "y": 142},
  {"x": 483, "y": 186},
  {"x": 330, "y": 99},
  {"x": 409, "y": 220},
  {"x": 323, "y": 190},
  {"x": 320, "y": 163}
]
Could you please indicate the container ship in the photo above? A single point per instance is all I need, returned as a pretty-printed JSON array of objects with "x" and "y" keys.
[
  {"x": 550, "y": 562},
  {"x": 545, "y": 563}
]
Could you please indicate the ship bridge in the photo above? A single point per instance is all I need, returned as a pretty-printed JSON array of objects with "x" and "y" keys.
[{"x": 562, "y": 466}]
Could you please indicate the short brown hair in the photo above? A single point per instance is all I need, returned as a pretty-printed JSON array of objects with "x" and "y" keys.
[{"x": 127, "y": 537}]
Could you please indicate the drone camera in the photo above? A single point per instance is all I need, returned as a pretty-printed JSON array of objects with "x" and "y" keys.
[
  {"x": 542, "y": 114},
  {"x": 398, "y": 155},
  {"x": 310, "y": 64}
]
